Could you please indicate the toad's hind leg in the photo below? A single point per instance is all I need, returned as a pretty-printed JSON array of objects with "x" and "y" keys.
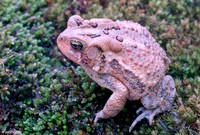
[{"x": 157, "y": 101}]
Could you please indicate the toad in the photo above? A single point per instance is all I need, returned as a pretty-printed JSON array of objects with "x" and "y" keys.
[{"x": 123, "y": 57}]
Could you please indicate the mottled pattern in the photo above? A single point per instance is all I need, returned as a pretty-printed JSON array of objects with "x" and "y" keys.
[{"x": 123, "y": 57}]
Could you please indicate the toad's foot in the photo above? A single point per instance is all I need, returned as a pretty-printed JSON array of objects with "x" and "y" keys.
[{"x": 149, "y": 114}]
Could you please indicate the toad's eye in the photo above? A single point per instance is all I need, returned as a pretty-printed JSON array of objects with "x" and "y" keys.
[{"x": 77, "y": 45}]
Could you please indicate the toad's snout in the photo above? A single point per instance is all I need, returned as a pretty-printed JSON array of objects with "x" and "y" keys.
[{"x": 61, "y": 38}]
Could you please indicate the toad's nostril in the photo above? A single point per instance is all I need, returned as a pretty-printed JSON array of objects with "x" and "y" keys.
[{"x": 62, "y": 38}]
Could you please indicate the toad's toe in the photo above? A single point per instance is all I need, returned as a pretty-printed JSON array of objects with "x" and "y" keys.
[{"x": 149, "y": 114}]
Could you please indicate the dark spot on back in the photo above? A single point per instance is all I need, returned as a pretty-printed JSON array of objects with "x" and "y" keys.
[
  {"x": 106, "y": 32},
  {"x": 133, "y": 81},
  {"x": 95, "y": 35},
  {"x": 103, "y": 58},
  {"x": 107, "y": 28},
  {"x": 78, "y": 22},
  {"x": 115, "y": 65},
  {"x": 93, "y": 24},
  {"x": 131, "y": 75},
  {"x": 116, "y": 27},
  {"x": 119, "y": 38}
]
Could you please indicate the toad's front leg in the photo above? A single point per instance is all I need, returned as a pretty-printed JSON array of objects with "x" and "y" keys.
[{"x": 115, "y": 103}]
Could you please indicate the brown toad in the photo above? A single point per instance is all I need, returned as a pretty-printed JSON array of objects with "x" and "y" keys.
[{"x": 121, "y": 56}]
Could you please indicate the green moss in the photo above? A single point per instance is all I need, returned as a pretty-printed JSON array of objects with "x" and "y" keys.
[{"x": 41, "y": 92}]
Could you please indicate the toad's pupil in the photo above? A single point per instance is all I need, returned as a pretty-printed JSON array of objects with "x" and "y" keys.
[{"x": 75, "y": 44}]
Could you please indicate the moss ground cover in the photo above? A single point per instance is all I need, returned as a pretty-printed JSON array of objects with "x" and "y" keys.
[{"x": 42, "y": 92}]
